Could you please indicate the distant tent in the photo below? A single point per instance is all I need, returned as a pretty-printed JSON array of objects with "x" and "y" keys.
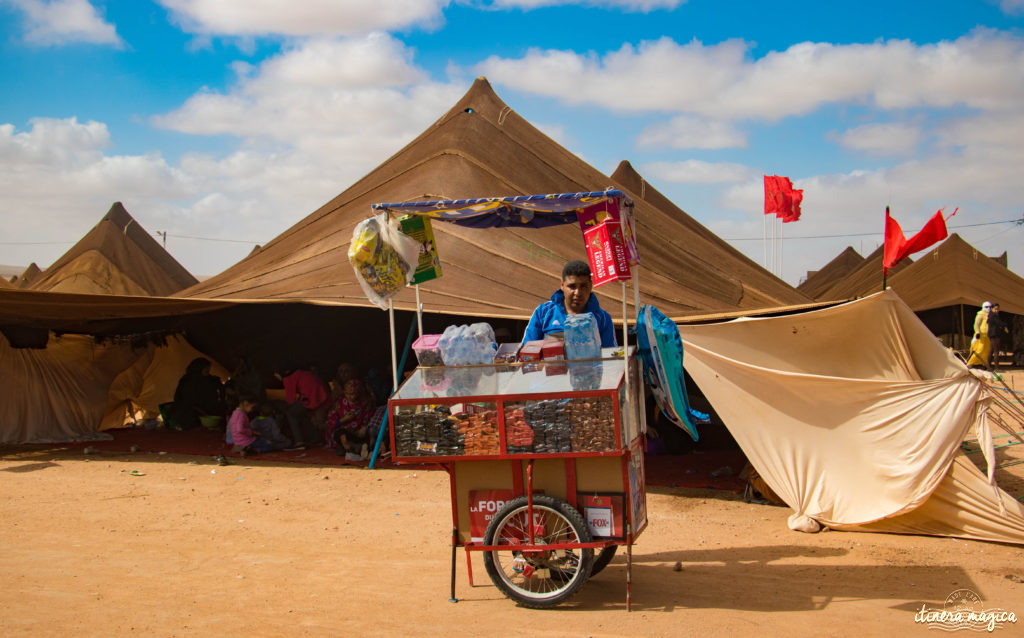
[
  {"x": 840, "y": 267},
  {"x": 28, "y": 277},
  {"x": 955, "y": 273},
  {"x": 861, "y": 433},
  {"x": 947, "y": 286},
  {"x": 116, "y": 257},
  {"x": 721, "y": 269},
  {"x": 6, "y": 284},
  {"x": 482, "y": 148},
  {"x": 865, "y": 280}
]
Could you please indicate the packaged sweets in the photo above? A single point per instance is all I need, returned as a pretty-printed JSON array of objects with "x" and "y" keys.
[{"x": 383, "y": 258}]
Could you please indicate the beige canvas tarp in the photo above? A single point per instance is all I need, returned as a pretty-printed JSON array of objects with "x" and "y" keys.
[
  {"x": 76, "y": 387},
  {"x": 59, "y": 393},
  {"x": 138, "y": 391},
  {"x": 854, "y": 416}
]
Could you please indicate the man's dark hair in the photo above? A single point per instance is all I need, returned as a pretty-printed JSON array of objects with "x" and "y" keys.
[{"x": 577, "y": 268}]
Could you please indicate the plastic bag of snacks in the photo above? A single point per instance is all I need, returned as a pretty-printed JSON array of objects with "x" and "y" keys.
[{"x": 384, "y": 259}]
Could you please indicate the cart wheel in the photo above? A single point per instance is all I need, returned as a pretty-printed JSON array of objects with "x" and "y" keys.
[
  {"x": 602, "y": 560},
  {"x": 543, "y": 578}
]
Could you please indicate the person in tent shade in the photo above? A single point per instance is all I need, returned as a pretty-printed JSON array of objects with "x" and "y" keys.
[
  {"x": 980, "y": 345},
  {"x": 198, "y": 394},
  {"x": 307, "y": 401},
  {"x": 573, "y": 297},
  {"x": 997, "y": 335}
]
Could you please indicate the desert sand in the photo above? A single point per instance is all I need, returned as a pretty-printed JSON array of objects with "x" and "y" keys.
[{"x": 118, "y": 543}]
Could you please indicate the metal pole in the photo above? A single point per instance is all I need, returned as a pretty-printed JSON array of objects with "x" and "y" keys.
[
  {"x": 455, "y": 544},
  {"x": 419, "y": 311},
  {"x": 782, "y": 245},
  {"x": 384, "y": 422},
  {"x": 394, "y": 357}
]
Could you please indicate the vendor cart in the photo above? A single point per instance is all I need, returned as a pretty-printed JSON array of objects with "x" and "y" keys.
[{"x": 545, "y": 460}]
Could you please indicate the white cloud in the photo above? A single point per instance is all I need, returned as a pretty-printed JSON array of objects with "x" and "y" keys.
[
  {"x": 309, "y": 123},
  {"x": 1012, "y": 7},
  {"x": 698, "y": 172},
  {"x": 305, "y": 18},
  {"x": 881, "y": 139},
  {"x": 685, "y": 131},
  {"x": 982, "y": 70},
  {"x": 59, "y": 22},
  {"x": 332, "y": 98}
]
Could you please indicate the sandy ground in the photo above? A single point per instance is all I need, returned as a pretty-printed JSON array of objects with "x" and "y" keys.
[{"x": 267, "y": 549}]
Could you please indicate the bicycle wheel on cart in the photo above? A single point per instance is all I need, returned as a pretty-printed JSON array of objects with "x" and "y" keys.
[{"x": 540, "y": 578}]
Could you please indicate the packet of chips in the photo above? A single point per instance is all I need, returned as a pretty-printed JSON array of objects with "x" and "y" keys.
[{"x": 384, "y": 259}]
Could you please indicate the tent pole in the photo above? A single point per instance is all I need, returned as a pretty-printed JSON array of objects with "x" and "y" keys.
[
  {"x": 419, "y": 311},
  {"x": 394, "y": 362},
  {"x": 782, "y": 246},
  {"x": 384, "y": 422}
]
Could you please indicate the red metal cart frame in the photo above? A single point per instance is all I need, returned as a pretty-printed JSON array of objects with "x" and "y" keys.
[{"x": 617, "y": 469}]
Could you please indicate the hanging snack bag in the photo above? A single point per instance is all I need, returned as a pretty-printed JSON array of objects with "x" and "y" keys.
[{"x": 383, "y": 258}]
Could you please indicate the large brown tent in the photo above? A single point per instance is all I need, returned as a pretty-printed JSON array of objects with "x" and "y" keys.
[
  {"x": 116, "y": 257},
  {"x": 955, "y": 273},
  {"x": 947, "y": 286},
  {"x": 482, "y": 148},
  {"x": 841, "y": 266}
]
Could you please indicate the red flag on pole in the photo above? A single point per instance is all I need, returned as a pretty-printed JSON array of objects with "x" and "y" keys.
[
  {"x": 781, "y": 199},
  {"x": 898, "y": 247}
]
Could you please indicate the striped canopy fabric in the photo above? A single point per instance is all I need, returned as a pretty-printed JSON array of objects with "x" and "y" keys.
[{"x": 536, "y": 211}]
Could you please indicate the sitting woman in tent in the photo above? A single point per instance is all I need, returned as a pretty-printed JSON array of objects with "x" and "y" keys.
[{"x": 199, "y": 394}]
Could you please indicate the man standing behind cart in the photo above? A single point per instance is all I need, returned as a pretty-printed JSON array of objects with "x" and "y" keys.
[{"x": 572, "y": 298}]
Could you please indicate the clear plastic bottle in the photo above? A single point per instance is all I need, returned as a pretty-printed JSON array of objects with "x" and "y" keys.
[{"x": 582, "y": 337}]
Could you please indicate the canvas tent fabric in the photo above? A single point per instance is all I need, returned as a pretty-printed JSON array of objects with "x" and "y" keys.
[
  {"x": 76, "y": 387},
  {"x": 841, "y": 266},
  {"x": 118, "y": 257},
  {"x": 30, "y": 276},
  {"x": 859, "y": 432},
  {"x": 482, "y": 148},
  {"x": 137, "y": 392},
  {"x": 865, "y": 280},
  {"x": 59, "y": 393}
]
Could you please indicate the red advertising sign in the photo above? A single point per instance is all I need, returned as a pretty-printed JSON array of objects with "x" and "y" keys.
[
  {"x": 484, "y": 504},
  {"x": 606, "y": 251}
]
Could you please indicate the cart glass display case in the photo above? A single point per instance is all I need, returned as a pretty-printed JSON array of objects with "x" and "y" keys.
[{"x": 534, "y": 408}]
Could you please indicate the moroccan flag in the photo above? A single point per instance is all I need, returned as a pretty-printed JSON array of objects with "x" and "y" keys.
[
  {"x": 781, "y": 199},
  {"x": 897, "y": 247}
]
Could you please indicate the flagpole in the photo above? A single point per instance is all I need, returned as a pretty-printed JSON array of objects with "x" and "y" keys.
[{"x": 782, "y": 246}]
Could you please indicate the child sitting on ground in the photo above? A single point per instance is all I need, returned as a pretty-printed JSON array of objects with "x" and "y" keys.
[
  {"x": 246, "y": 442},
  {"x": 347, "y": 421},
  {"x": 265, "y": 427}
]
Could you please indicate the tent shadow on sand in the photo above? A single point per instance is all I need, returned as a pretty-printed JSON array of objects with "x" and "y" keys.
[{"x": 709, "y": 580}]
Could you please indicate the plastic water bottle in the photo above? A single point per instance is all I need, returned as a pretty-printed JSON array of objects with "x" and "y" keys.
[{"x": 582, "y": 337}]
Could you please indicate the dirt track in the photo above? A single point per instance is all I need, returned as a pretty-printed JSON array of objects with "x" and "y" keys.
[{"x": 264, "y": 549}]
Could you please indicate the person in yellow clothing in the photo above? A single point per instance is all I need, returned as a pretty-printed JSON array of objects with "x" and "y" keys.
[{"x": 980, "y": 345}]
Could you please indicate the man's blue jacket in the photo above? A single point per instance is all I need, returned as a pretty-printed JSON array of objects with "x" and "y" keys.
[{"x": 550, "y": 317}]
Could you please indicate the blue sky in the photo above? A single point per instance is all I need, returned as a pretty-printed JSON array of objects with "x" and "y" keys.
[{"x": 224, "y": 124}]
